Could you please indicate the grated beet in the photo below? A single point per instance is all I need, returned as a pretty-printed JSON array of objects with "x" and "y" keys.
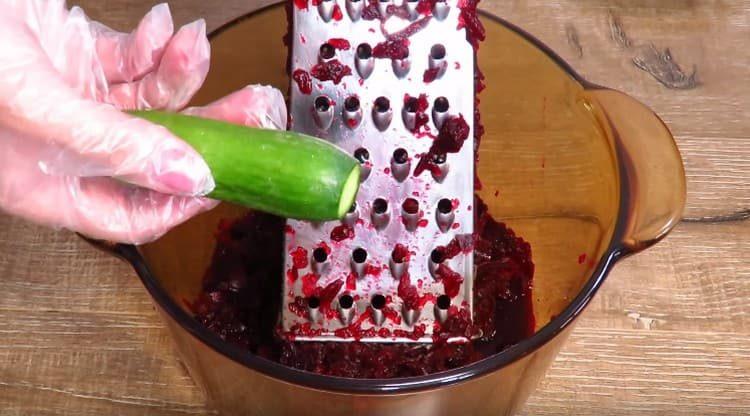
[
  {"x": 452, "y": 136},
  {"x": 337, "y": 14},
  {"x": 303, "y": 80},
  {"x": 247, "y": 316},
  {"x": 332, "y": 70},
  {"x": 400, "y": 253},
  {"x": 451, "y": 280},
  {"x": 393, "y": 48},
  {"x": 299, "y": 258},
  {"x": 339, "y": 43},
  {"x": 430, "y": 74},
  {"x": 450, "y": 139},
  {"x": 342, "y": 232},
  {"x": 310, "y": 284},
  {"x": 370, "y": 11},
  {"x": 408, "y": 292},
  {"x": 470, "y": 20},
  {"x": 424, "y": 7}
]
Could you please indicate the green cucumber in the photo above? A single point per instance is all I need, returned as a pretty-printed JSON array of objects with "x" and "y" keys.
[{"x": 280, "y": 172}]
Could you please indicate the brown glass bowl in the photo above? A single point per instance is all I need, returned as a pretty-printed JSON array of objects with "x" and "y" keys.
[{"x": 586, "y": 174}]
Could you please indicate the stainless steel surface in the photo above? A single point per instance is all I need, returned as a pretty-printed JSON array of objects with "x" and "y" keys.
[{"x": 354, "y": 123}]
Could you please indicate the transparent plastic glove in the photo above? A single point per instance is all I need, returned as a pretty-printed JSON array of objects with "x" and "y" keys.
[{"x": 63, "y": 138}]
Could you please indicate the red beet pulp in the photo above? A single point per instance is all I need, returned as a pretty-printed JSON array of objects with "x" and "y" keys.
[
  {"x": 338, "y": 43},
  {"x": 303, "y": 80},
  {"x": 430, "y": 74},
  {"x": 394, "y": 48},
  {"x": 332, "y": 70},
  {"x": 240, "y": 303},
  {"x": 450, "y": 139}
]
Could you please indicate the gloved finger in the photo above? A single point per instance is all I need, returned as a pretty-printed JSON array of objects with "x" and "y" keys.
[
  {"x": 106, "y": 209},
  {"x": 65, "y": 40},
  {"x": 132, "y": 150},
  {"x": 126, "y": 57},
  {"x": 85, "y": 138},
  {"x": 180, "y": 74},
  {"x": 254, "y": 106},
  {"x": 99, "y": 207}
]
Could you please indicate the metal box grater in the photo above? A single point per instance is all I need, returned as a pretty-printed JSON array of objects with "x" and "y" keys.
[{"x": 382, "y": 80}]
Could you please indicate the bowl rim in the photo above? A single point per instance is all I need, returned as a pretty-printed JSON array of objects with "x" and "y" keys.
[{"x": 614, "y": 252}]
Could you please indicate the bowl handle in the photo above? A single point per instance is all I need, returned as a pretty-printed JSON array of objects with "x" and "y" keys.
[{"x": 651, "y": 172}]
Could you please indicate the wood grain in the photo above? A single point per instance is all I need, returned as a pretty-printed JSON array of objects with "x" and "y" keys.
[{"x": 667, "y": 334}]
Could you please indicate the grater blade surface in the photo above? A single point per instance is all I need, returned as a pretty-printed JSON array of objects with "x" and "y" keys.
[{"x": 393, "y": 85}]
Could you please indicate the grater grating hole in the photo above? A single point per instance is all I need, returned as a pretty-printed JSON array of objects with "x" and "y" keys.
[
  {"x": 351, "y": 103},
  {"x": 352, "y": 112},
  {"x": 382, "y": 105},
  {"x": 410, "y": 206},
  {"x": 346, "y": 301},
  {"x": 445, "y": 206},
  {"x": 378, "y": 302},
  {"x": 412, "y": 104},
  {"x": 362, "y": 155},
  {"x": 400, "y": 156},
  {"x": 380, "y": 215},
  {"x": 437, "y": 256},
  {"x": 437, "y": 51},
  {"x": 443, "y": 302},
  {"x": 441, "y": 105},
  {"x": 327, "y": 51},
  {"x": 323, "y": 114},
  {"x": 351, "y": 216},
  {"x": 313, "y": 302},
  {"x": 382, "y": 113},
  {"x": 400, "y": 165},
  {"x": 445, "y": 215},
  {"x": 359, "y": 255},
  {"x": 440, "y": 111},
  {"x": 399, "y": 254},
  {"x": 380, "y": 206},
  {"x": 364, "y": 51},
  {"x": 409, "y": 214},
  {"x": 320, "y": 255},
  {"x": 322, "y": 103}
]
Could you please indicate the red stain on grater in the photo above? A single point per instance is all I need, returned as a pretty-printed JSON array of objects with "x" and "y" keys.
[{"x": 376, "y": 81}]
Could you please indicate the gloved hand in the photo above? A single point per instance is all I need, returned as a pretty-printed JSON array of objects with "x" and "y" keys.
[{"x": 64, "y": 140}]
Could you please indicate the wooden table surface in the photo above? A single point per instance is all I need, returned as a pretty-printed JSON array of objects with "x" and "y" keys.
[{"x": 668, "y": 334}]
